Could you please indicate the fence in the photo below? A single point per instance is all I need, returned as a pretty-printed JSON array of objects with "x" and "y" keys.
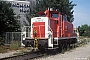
[
  {"x": 16, "y": 36},
  {"x": 12, "y": 36}
]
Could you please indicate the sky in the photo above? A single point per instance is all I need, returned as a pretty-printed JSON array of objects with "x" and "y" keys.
[{"x": 81, "y": 12}]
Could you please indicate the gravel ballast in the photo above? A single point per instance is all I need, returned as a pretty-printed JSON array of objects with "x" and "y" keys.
[{"x": 80, "y": 53}]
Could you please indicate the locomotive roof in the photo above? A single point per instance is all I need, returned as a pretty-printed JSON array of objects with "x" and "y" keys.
[
  {"x": 42, "y": 12},
  {"x": 52, "y": 11}
]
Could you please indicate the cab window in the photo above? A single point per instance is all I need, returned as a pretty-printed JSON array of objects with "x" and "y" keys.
[{"x": 53, "y": 15}]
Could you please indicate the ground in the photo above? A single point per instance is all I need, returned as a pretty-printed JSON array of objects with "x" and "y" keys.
[{"x": 80, "y": 53}]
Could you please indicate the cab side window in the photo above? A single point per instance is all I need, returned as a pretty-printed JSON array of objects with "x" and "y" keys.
[
  {"x": 65, "y": 18},
  {"x": 53, "y": 15}
]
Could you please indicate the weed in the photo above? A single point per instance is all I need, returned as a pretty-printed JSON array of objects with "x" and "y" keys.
[
  {"x": 15, "y": 45},
  {"x": 3, "y": 49}
]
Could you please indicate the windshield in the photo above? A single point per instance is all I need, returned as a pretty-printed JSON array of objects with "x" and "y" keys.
[{"x": 43, "y": 15}]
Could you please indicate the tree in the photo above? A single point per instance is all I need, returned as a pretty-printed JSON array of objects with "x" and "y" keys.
[
  {"x": 64, "y": 6},
  {"x": 28, "y": 18},
  {"x": 88, "y": 31},
  {"x": 84, "y": 30},
  {"x": 8, "y": 21}
]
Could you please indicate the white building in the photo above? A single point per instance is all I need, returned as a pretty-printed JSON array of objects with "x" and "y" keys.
[{"x": 22, "y": 7}]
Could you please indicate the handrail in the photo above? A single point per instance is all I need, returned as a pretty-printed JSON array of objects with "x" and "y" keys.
[
  {"x": 39, "y": 30},
  {"x": 59, "y": 27},
  {"x": 51, "y": 30},
  {"x": 58, "y": 33}
]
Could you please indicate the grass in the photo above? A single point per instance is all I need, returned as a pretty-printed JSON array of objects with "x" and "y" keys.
[
  {"x": 83, "y": 41},
  {"x": 3, "y": 49},
  {"x": 13, "y": 46}
]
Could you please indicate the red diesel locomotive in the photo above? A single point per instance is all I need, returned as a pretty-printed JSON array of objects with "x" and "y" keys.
[{"x": 50, "y": 30}]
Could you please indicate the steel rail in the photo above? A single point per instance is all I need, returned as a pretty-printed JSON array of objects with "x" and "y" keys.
[{"x": 27, "y": 56}]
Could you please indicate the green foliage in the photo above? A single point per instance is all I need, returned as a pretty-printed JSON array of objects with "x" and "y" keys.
[
  {"x": 8, "y": 21},
  {"x": 84, "y": 30},
  {"x": 28, "y": 18}
]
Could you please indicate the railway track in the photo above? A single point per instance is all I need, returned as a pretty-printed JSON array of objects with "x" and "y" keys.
[{"x": 27, "y": 56}]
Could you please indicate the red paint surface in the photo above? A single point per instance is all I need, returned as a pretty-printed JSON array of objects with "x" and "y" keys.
[{"x": 40, "y": 29}]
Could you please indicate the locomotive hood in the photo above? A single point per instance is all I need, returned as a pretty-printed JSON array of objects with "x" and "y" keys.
[{"x": 41, "y": 25}]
